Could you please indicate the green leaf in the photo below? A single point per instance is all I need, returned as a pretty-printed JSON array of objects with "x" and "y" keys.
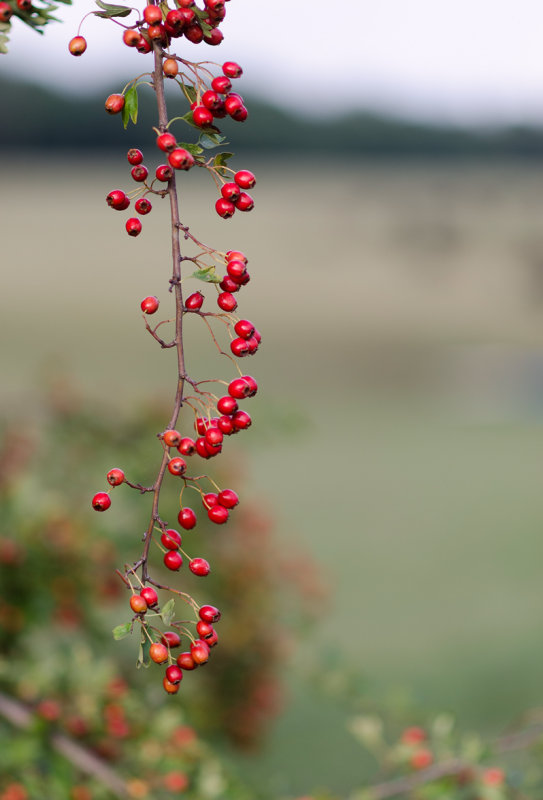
[
  {"x": 194, "y": 149},
  {"x": 144, "y": 660},
  {"x": 167, "y": 613},
  {"x": 122, "y": 630},
  {"x": 221, "y": 159},
  {"x": 190, "y": 94},
  {"x": 130, "y": 108},
  {"x": 207, "y": 274},
  {"x": 3, "y": 43},
  {"x": 110, "y": 10},
  {"x": 211, "y": 140}
]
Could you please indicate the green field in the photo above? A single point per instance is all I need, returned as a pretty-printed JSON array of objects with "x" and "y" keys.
[{"x": 398, "y": 435}]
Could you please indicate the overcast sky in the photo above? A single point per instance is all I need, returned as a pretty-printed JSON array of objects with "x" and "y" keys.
[{"x": 461, "y": 61}]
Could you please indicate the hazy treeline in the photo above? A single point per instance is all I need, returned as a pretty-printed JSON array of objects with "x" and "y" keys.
[{"x": 31, "y": 114}]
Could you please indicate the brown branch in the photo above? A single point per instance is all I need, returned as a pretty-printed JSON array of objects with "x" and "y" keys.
[{"x": 21, "y": 717}]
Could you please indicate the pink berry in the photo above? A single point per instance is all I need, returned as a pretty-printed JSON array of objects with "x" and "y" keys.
[
  {"x": 231, "y": 69},
  {"x": 199, "y": 566},
  {"x": 173, "y": 560},
  {"x": 149, "y": 305}
]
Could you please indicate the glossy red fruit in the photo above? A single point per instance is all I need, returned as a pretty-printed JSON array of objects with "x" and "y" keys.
[
  {"x": 186, "y": 446},
  {"x": 245, "y": 202},
  {"x": 114, "y": 103},
  {"x": 226, "y": 405},
  {"x": 226, "y": 425},
  {"x": 244, "y": 328},
  {"x": 242, "y": 387},
  {"x": 187, "y": 518},
  {"x": 212, "y": 100},
  {"x": 209, "y": 614},
  {"x": 177, "y": 466},
  {"x": 231, "y": 69},
  {"x": 228, "y": 498},
  {"x": 158, "y": 653},
  {"x": 236, "y": 255},
  {"x": 138, "y": 604},
  {"x": 218, "y": 514},
  {"x": 171, "y": 438},
  {"x": 188, "y": 13},
  {"x": 143, "y": 206},
  {"x": 225, "y": 208},
  {"x": 194, "y": 301},
  {"x": 173, "y": 560},
  {"x": 115, "y": 477},
  {"x": 139, "y": 173},
  {"x": 421, "y": 758},
  {"x": 164, "y": 173},
  {"x": 202, "y": 448},
  {"x": 171, "y": 639},
  {"x": 200, "y": 567},
  {"x": 213, "y": 437},
  {"x": 150, "y": 596},
  {"x": 171, "y": 539},
  {"x": 152, "y": 15},
  {"x": 241, "y": 420},
  {"x": 252, "y": 344},
  {"x": 245, "y": 179},
  {"x": 158, "y": 33},
  {"x": 204, "y": 629},
  {"x": 143, "y": 46},
  {"x": 101, "y": 501},
  {"x": 134, "y": 156},
  {"x": 202, "y": 117},
  {"x": 227, "y": 301},
  {"x": 214, "y": 38},
  {"x": 77, "y": 45},
  {"x": 239, "y": 347},
  {"x": 175, "y": 22},
  {"x": 232, "y": 103},
  {"x": 131, "y": 38},
  {"x": 117, "y": 199},
  {"x": 240, "y": 115},
  {"x": 174, "y": 674},
  {"x": 170, "y": 67},
  {"x": 199, "y": 651},
  {"x": 221, "y": 84},
  {"x": 236, "y": 270},
  {"x": 194, "y": 33},
  {"x": 181, "y": 159},
  {"x": 166, "y": 142},
  {"x": 231, "y": 191},
  {"x": 149, "y": 305},
  {"x": 212, "y": 640},
  {"x": 170, "y": 688},
  {"x": 228, "y": 284},
  {"x": 186, "y": 661},
  {"x": 133, "y": 226},
  {"x": 209, "y": 500}
]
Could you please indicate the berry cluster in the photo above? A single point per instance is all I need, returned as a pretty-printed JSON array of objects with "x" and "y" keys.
[{"x": 214, "y": 415}]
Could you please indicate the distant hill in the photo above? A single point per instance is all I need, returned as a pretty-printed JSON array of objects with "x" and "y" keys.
[{"x": 32, "y": 116}]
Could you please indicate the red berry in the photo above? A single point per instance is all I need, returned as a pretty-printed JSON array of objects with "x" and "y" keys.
[
  {"x": 228, "y": 498},
  {"x": 245, "y": 202},
  {"x": 143, "y": 206},
  {"x": 134, "y": 156},
  {"x": 181, "y": 159},
  {"x": 115, "y": 477},
  {"x": 114, "y": 103},
  {"x": 24, "y": 5},
  {"x": 117, "y": 199},
  {"x": 131, "y": 38},
  {"x": 241, "y": 420},
  {"x": 209, "y": 500},
  {"x": 227, "y": 301},
  {"x": 236, "y": 255},
  {"x": 187, "y": 11},
  {"x": 215, "y": 37},
  {"x": 218, "y": 514},
  {"x": 242, "y": 387},
  {"x": 209, "y": 614},
  {"x": 149, "y": 305},
  {"x": 231, "y": 69},
  {"x": 139, "y": 173},
  {"x": 244, "y": 328},
  {"x": 211, "y": 100},
  {"x": 164, "y": 173},
  {"x": 413, "y": 735},
  {"x": 170, "y": 67},
  {"x": 199, "y": 566},
  {"x": 143, "y": 45},
  {"x": 187, "y": 518},
  {"x": 245, "y": 179},
  {"x": 231, "y": 191},
  {"x": 150, "y": 596},
  {"x": 101, "y": 501},
  {"x": 236, "y": 270},
  {"x": 133, "y": 226},
  {"x": 158, "y": 653},
  {"x": 226, "y": 405},
  {"x": 252, "y": 344},
  {"x": 175, "y": 22},
  {"x": 202, "y": 117},
  {"x": 158, "y": 33},
  {"x": 171, "y": 539},
  {"x": 194, "y": 301},
  {"x": 186, "y": 661},
  {"x": 228, "y": 284},
  {"x": 77, "y": 45},
  {"x": 177, "y": 466},
  {"x": 240, "y": 115},
  {"x": 186, "y": 446},
  {"x": 170, "y": 688},
  {"x": 194, "y": 33},
  {"x": 224, "y": 208},
  {"x": 239, "y": 347},
  {"x": 232, "y": 103},
  {"x": 204, "y": 629},
  {"x": 138, "y": 604},
  {"x": 226, "y": 425},
  {"x": 421, "y": 759},
  {"x": 199, "y": 651},
  {"x": 171, "y": 438},
  {"x": 202, "y": 448},
  {"x": 152, "y": 15},
  {"x": 213, "y": 437},
  {"x": 173, "y": 560},
  {"x": 166, "y": 142},
  {"x": 171, "y": 639},
  {"x": 221, "y": 84},
  {"x": 174, "y": 674},
  {"x": 212, "y": 640}
]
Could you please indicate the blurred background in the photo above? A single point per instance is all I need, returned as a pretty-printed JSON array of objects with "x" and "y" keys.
[{"x": 396, "y": 255}]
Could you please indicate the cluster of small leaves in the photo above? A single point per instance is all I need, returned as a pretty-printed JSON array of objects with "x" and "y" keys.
[{"x": 37, "y": 17}]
